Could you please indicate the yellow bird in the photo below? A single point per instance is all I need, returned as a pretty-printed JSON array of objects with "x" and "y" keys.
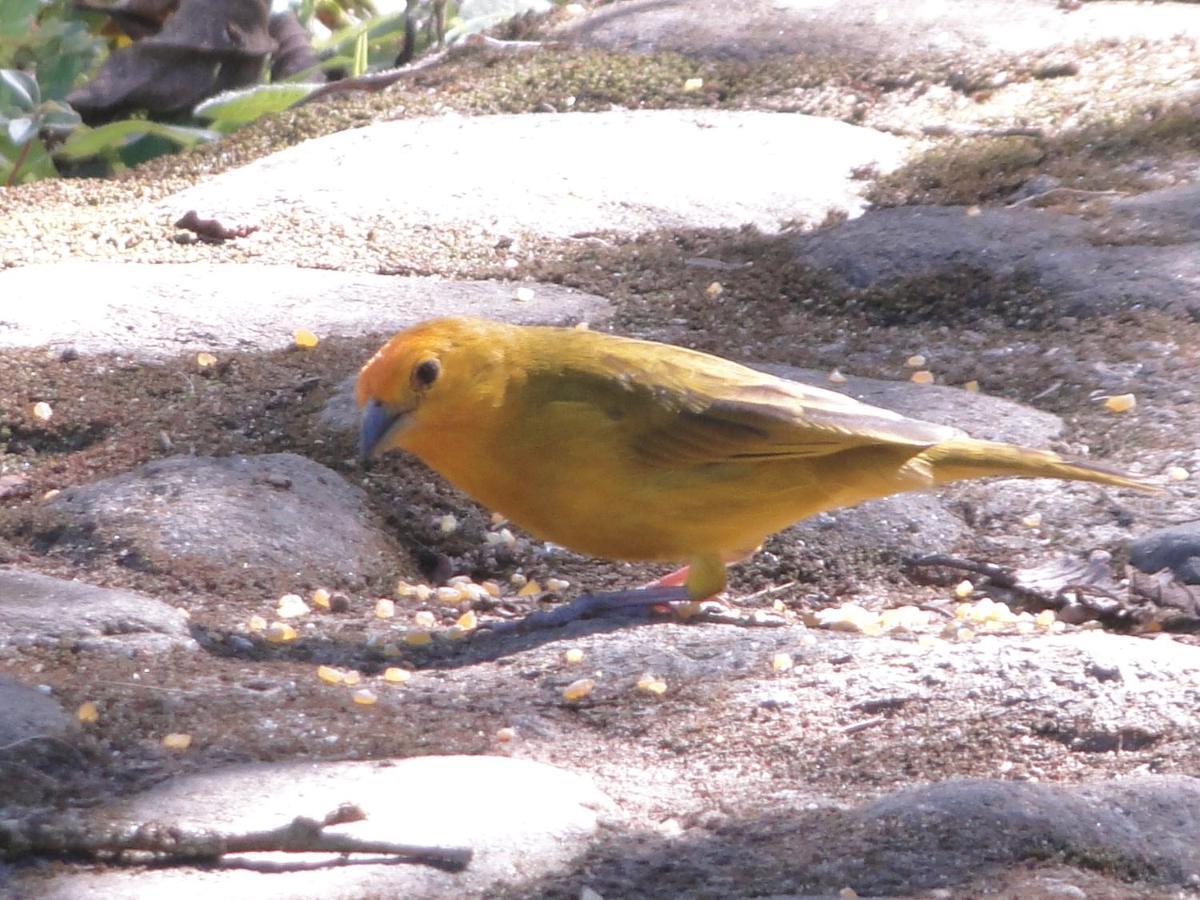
[{"x": 635, "y": 450}]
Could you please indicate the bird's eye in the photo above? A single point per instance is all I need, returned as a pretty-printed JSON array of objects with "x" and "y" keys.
[{"x": 426, "y": 373}]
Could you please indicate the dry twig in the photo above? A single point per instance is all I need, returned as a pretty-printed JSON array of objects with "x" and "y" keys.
[{"x": 59, "y": 836}]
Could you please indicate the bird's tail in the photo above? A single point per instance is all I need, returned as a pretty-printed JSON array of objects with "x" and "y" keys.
[{"x": 961, "y": 458}]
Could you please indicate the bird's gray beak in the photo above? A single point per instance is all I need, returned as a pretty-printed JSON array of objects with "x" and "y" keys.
[{"x": 376, "y": 423}]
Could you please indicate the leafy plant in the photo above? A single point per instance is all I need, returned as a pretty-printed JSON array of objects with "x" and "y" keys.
[
  {"x": 49, "y": 39},
  {"x": 28, "y": 122}
]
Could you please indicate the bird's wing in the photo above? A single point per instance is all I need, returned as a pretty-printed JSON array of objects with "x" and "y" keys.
[{"x": 697, "y": 411}]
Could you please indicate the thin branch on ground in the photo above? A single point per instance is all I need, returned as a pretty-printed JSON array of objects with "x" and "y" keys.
[
  {"x": 1074, "y": 192},
  {"x": 377, "y": 81},
  {"x": 71, "y": 836}
]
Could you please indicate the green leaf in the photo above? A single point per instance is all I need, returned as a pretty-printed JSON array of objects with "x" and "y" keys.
[
  {"x": 66, "y": 50},
  {"x": 21, "y": 130},
  {"x": 232, "y": 109},
  {"x": 382, "y": 28},
  {"x": 58, "y": 116},
  {"x": 19, "y": 87},
  {"x": 86, "y": 142},
  {"x": 35, "y": 161},
  {"x": 360, "y": 56},
  {"x": 16, "y": 17},
  {"x": 306, "y": 11}
]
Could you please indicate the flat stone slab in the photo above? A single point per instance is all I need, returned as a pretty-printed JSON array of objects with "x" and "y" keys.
[
  {"x": 1071, "y": 259},
  {"x": 38, "y": 609},
  {"x": 278, "y": 517},
  {"x": 146, "y": 311},
  {"x": 928, "y": 837},
  {"x": 751, "y": 29},
  {"x": 562, "y": 174},
  {"x": 521, "y": 819}
]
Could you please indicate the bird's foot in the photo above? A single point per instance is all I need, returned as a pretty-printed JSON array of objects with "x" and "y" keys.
[{"x": 624, "y": 603}]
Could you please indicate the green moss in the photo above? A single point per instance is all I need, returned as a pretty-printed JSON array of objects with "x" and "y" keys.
[
  {"x": 962, "y": 172},
  {"x": 1107, "y": 154}
]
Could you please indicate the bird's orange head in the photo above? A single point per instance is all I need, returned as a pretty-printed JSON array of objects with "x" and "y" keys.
[{"x": 430, "y": 381}]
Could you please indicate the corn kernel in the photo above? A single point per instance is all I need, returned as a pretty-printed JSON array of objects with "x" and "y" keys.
[
  {"x": 280, "y": 633},
  {"x": 652, "y": 684},
  {"x": 329, "y": 674},
  {"x": 1120, "y": 403},
  {"x": 577, "y": 690},
  {"x": 291, "y": 606}
]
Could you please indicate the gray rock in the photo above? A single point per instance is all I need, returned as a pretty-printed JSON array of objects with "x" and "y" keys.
[
  {"x": 752, "y": 29},
  {"x": 935, "y": 832},
  {"x": 1176, "y": 548},
  {"x": 149, "y": 311},
  {"x": 561, "y": 174},
  {"x": 38, "y": 609},
  {"x": 279, "y": 517},
  {"x": 521, "y": 819},
  {"x": 26, "y": 712},
  {"x": 887, "y": 246}
]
